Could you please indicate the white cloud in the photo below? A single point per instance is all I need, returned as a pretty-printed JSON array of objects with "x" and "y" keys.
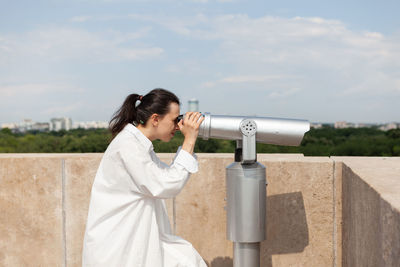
[
  {"x": 173, "y": 69},
  {"x": 208, "y": 84},
  {"x": 250, "y": 78},
  {"x": 56, "y": 43},
  {"x": 312, "y": 48},
  {"x": 280, "y": 40},
  {"x": 262, "y": 82},
  {"x": 80, "y": 18},
  {"x": 284, "y": 93},
  {"x": 61, "y": 110},
  {"x": 31, "y": 89},
  {"x": 178, "y": 25}
]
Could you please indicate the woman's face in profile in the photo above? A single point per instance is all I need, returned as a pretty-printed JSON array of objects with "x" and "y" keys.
[{"x": 167, "y": 126}]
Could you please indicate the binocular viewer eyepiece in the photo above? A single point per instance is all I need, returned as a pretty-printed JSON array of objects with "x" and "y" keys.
[{"x": 180, "y": 117}]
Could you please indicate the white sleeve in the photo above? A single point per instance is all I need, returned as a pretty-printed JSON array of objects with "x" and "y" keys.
[
  {"x": 158, "y": 180},
  {"x": 186, "y": 160}
]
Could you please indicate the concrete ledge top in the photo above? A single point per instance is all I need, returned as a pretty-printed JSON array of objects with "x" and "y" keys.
[
  {"x": 380, "y": 173},
  {"x": 291, "y": 157},
  {"x": 49, "y": 155},
  {"x": 260, "y": 156}
]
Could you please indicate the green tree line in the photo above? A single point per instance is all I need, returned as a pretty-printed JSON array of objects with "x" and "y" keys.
[{"x": 325, "y": 141}]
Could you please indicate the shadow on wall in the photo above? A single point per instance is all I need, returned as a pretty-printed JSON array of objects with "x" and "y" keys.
[
  {"x": 221, "y": 262},
  {"x": 287, "y": 230}
]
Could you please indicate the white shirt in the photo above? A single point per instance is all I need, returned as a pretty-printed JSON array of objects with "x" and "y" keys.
[{"x": 127, "y": 223}]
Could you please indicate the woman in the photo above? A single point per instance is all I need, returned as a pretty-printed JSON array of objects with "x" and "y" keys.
[{"x": 127, "y": 223}]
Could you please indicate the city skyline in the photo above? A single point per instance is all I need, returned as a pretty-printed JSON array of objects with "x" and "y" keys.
[
  {"x": 316, "y": 60},
  {"x": 76, "y": 124}
]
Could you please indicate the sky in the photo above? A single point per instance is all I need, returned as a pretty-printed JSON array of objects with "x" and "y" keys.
[{"x": 323, "y": 61}]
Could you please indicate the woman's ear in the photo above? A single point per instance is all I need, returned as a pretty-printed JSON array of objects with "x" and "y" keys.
[{"x": 155, "y": 119}]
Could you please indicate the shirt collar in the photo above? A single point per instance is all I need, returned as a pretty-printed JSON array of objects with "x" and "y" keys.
[{"x": 139, "y": 135}]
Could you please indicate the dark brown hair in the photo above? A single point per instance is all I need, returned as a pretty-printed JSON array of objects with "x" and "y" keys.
[{"x": 156, "y": 101}]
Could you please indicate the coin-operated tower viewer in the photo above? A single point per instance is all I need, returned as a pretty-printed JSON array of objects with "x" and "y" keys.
[{"x": 246, "y": 178}]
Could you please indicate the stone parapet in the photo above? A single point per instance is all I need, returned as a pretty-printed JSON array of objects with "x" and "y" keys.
[
  {"x": 315, "y": 207},
  {"x": 370, "y": 211}
]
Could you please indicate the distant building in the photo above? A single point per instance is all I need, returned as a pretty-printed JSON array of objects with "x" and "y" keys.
[
  {"x": 340, "y": 124},
  {"x": 41, "y": 126},
  {"x": 12, "y": 126},
  {"x": 26, "y": 125},
  {"x": 363, "y": 125},
  {"x": 90, "y": 125},
  {"x": 193, "y": 105},
  {"x": 382, "y": 127},
  {"x": 316, "y": 125},
  {"x": 344, "y": 124},
  {"x": 22, "y": 127},
  {"x": 58, "y": 124},
  {"x": 388, "y": 126}
]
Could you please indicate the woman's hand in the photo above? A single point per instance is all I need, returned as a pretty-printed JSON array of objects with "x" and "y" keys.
[{"x": 189, "y": 127}]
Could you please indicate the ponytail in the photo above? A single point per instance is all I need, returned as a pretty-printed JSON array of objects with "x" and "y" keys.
[
  {"x": 124, "y": 115},
  {"x": 156, "y": 101}
]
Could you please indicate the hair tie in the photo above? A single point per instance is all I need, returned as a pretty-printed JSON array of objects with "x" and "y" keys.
[{"x": 138, "y": 101}]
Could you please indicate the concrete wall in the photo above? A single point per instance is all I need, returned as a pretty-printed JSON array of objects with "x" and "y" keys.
[
  {"x": 44, "y": 200},
  {"x": 371, "y": 211}
]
